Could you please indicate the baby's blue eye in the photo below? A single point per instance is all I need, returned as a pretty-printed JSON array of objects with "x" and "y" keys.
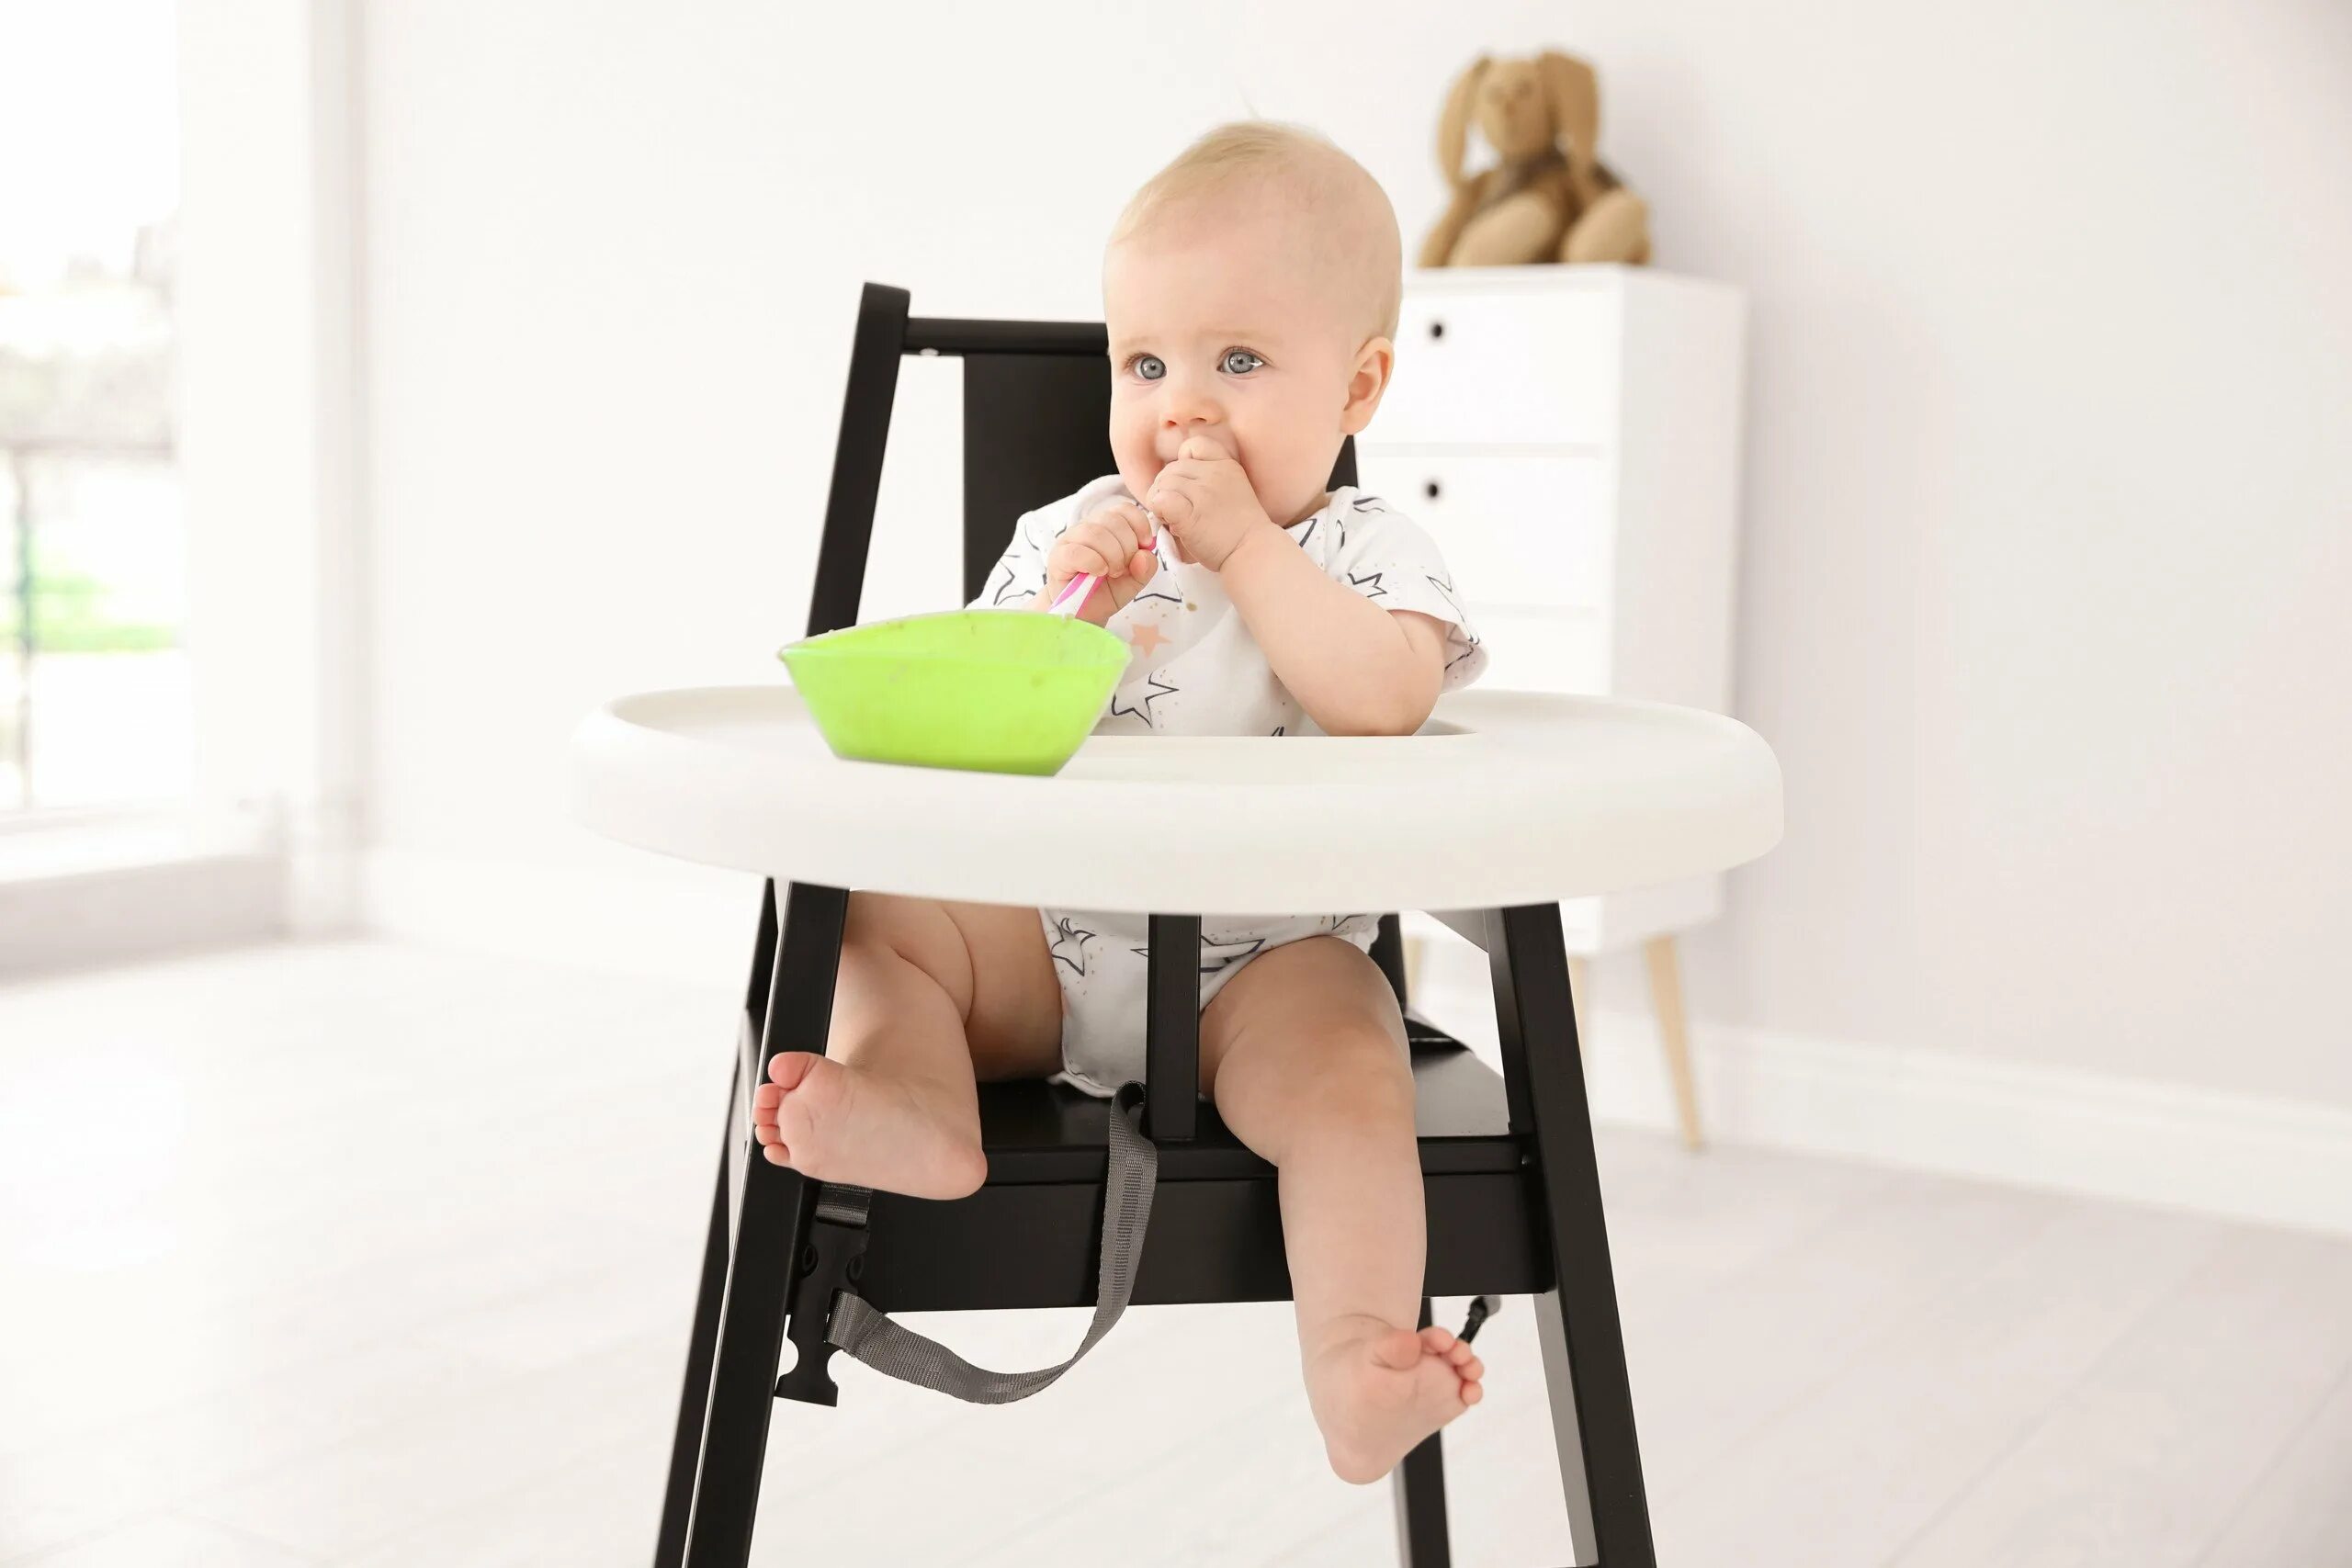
[
  {"x": 1140, "y": 360},
  {"x": 1245, "y": 353}
]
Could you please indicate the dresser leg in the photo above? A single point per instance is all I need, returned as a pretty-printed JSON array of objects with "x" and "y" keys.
[{"x": 1674, "y": 1032}]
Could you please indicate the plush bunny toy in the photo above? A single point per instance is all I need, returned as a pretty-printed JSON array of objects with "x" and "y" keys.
[{"x": 1549, "y": 198}]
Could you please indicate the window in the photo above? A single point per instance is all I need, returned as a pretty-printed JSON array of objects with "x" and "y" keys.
[{"x": 94, "y": 697}]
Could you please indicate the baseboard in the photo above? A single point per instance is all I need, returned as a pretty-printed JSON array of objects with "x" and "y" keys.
[
  {"x": 154, "y": 907},
  {"x": 2236, "y": 1155},
  {"x": 2241, "y": 1156}
]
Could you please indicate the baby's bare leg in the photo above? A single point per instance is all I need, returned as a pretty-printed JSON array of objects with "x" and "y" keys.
[
  {"x": 1303, "y": 1052},
  {"x": 930, "y": 995}
]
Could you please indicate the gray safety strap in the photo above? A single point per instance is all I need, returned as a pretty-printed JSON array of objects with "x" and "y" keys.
[{"x": 897, "y": 1351}]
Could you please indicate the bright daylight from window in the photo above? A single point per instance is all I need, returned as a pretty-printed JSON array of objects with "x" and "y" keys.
[{"x": 94, "y": 680}]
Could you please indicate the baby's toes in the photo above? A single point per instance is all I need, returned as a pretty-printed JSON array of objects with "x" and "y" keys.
[
  {"x": 786, "y": 1070},
  {"x": 1466, "y": 1366},
  {"x": 1438, "y": 1340}
]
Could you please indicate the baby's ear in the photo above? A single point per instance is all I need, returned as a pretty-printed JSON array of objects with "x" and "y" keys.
[{"x": 1374, "y": 363}]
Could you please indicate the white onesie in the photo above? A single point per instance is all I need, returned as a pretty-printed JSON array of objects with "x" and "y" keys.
[{"x": 1195, "y": 670}]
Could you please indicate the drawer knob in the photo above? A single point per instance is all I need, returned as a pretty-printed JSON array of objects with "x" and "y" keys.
[
  {"x": 1429, "y": 488},
  {"x": 1437, "y": 329}
]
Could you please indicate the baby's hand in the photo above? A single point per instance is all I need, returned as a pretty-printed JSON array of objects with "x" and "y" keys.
[
  {"x": 1205, "y": 498},
  {"x": 1114, "y": 540}
]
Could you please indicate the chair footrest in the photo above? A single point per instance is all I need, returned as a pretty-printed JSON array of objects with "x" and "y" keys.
[{"x": 1034, "y": 1244}]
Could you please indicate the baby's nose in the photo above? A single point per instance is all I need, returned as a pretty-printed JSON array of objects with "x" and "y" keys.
[
  {"x": 1183, "y": 428},
  {"x": 1192, "y": 400}
]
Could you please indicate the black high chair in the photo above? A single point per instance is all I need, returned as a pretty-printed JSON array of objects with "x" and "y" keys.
[{"x": 1513, "y": 1192}]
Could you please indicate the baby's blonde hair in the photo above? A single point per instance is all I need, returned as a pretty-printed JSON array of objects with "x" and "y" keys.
[{"x": 1354, "y": 227}]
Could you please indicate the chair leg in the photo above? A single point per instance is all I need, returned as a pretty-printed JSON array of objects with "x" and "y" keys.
[
  {"x": 1577, "y": 1321},
  {"x": 693, "y": 1399},
  {"x": 1581, "y": 986},
  {"x": 773, "y": 1211},
  {"x": 1419, "y": 1483}
]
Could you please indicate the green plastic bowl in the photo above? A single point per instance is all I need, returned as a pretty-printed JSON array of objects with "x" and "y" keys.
[{"x": 996, "y": 691}]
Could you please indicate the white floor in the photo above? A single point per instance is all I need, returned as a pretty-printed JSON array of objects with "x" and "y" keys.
[{"x": 371, "y": 1254}]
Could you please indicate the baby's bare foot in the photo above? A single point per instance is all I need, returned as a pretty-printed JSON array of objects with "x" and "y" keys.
[
  {"x": 838, "y": 1123},
  {"x": 1376, "y": 1391}
]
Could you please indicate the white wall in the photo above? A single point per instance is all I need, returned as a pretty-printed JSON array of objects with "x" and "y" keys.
[{"x": 2048, "y": 491}]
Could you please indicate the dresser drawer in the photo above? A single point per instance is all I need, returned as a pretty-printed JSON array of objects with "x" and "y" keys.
[
  {"x": 1514, "y": 530},
  {"x": 1506, "y": 368},
  {"x": 1542, "y": 651}
]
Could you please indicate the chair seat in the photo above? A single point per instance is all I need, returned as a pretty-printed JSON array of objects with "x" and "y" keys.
[
  {"x": 1036, "y": 1131},
  {"x": 1028, "y": 1238}
]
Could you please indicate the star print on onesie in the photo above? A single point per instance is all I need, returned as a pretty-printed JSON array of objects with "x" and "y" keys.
[
  {"x": 1069, "y": 945},
  {"x": 1136, "y": 700}
]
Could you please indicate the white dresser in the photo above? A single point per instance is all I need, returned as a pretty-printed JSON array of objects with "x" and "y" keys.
[{"x": 1570, "y": 435}]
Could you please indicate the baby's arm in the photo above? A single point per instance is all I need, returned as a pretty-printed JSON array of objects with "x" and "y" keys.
[{"x": 1356, "y": 668}]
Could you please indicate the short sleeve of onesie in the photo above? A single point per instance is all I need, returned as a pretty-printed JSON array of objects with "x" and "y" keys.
[{"x": 1384, "y": 555}]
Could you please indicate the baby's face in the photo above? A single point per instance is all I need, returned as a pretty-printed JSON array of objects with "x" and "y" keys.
[{"x": 1218, "y": 329}]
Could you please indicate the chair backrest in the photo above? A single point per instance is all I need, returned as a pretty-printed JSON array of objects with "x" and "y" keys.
[{"x": 1036, "y": 426}]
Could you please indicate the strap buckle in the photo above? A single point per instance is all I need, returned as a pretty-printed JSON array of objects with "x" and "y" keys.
[{"x": 832, "y": 1257}]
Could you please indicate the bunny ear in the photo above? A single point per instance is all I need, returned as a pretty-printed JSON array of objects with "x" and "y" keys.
[
  {"x": 1574, "y": 94},
  {"x": 1453, "y": 124}
]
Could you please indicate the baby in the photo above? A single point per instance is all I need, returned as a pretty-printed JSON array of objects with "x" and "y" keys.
[{"x": 1251, "y": 290}]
